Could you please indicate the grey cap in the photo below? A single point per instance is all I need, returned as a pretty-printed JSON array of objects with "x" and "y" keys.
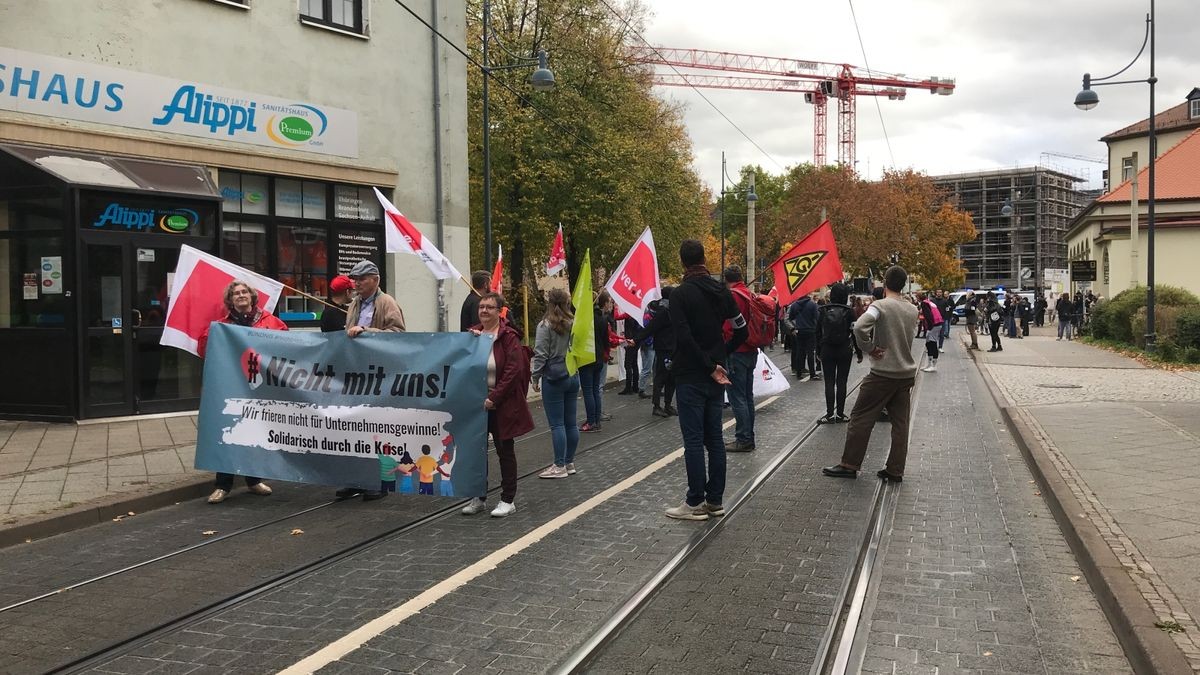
[{"x": 363, "y": 268}]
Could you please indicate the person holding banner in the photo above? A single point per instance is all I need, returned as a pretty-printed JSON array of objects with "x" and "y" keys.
[
  {"x": 560, "y": 389},
  {"x": 372, "y": 310},
  {"x": 241, "y": 306},
  {"x": 507, "y": 411}
]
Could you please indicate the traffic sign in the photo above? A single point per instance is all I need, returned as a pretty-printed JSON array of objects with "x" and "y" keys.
[{"x": 1083, "y": 270}]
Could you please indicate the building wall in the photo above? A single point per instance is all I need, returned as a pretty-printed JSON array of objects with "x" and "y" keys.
[
  {"x": 386, "y": 79},
  {"x": 1175, "y": 249},
  {"x": 1044, "y": 203}
]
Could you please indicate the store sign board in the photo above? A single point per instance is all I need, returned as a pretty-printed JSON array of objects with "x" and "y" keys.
[
  {"x": 126, "y": 213},
  {"x": 52, "y": 282},
  {"x": 355, "y": 203},
  {"x": 356, "y": 245},
  {"x": 64, "y": 88},
  {"x": 1083, "y": 270}
]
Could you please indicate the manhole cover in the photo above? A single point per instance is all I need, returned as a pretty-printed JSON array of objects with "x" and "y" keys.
[{"x": 1061, "y": 386}]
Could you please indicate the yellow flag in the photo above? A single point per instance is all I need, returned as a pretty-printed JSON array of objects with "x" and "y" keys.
[{"x": 583, "y": 333}]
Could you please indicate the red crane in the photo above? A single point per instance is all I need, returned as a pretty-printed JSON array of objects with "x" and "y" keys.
[{"x": 843, "y": 81}]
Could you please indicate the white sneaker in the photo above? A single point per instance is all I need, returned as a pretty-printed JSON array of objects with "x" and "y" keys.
[
  {"x": 475, "y": 506},
  {"x": 931, "y": 368},
  {"x": 217, "y": 496},
  {"x": 942, "y": 350},
  {"x": 685, "y": 512},
  {"x": 554, "y": 471},
  {"x": 571, "y": 469},
  {"x": 504, "y": 509}
]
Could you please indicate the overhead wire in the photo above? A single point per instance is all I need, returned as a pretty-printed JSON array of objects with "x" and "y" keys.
[
  {"x": 689, "y": 83},
  {"x": 867, "y": 66}
]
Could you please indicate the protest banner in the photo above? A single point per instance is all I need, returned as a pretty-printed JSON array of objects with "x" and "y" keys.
[{"x": 397, "y": 411}]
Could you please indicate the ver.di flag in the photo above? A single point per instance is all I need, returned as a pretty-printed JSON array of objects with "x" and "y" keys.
[
  {"x": 558, "y": 255},
  {"x": 198, "y": 296},
  {"x": 404, "y": 237},
  {"x": 809, "y": 265},
  {"x": 583, "y": 331},
  {"x": 634, "y": 284}
]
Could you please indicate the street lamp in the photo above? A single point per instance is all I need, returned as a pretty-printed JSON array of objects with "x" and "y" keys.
[
  {"x": 751, "y": 198},
  {"x": 541, "y": 80},
  {"x": 1086, "y": 100},
  {"x": 751, "y": 258}
]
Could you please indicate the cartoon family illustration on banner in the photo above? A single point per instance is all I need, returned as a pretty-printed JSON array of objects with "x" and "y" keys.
[{"x": 427, "y": 474}]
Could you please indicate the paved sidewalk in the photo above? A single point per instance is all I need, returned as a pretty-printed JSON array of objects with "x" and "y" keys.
[
  {"x": 47, "y": 468},
  {"x": 1118, "y": 442}
]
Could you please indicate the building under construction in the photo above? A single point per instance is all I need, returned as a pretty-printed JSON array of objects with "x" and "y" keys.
[{"x": 1043, "y": 202}]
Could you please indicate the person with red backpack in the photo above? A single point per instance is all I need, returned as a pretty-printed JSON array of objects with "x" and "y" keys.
[
  {"x": 932, "y": 316},
  {"x": 759, "y": 314}
]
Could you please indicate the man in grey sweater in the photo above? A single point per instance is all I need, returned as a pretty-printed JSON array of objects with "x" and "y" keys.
[{"x": 885, "y": 331}]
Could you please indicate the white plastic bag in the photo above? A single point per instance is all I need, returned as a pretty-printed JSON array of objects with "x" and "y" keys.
[{"x": 768, "y": 379}]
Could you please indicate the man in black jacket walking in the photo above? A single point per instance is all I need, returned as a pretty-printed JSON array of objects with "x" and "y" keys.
[
  {"x": 660, "y": 331},
  {"x": 699, "y": 307}
]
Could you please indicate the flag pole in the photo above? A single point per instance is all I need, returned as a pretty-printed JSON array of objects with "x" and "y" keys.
[{"x": 310, "y": 297}]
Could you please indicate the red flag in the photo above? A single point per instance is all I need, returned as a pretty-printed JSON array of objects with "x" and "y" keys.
[
  {"x": 497, "y": 285},
  {"x": 634, "y": 284},
  {"x": 558, "y": 255},
  {"x": 809, "y": 265},
  {"x": 197, "y": 296}
]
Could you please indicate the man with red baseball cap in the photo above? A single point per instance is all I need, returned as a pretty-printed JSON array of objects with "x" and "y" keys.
[{"x": 333, "y": 319}]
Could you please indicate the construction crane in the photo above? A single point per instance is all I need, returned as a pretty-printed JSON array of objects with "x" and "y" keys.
[
  {"x": 816, "y": 93},
  {"x": 1081, "y": 158},
  {"x": 843, "y": 81}
]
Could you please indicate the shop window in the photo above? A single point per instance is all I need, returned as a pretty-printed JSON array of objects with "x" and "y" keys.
[
  {"x": 32, "y": 282},
  {"x": 304, "y": 265},
  {"x": 243, "y": 193},
  {"x": 351, "y": 202},
  {"x": 300, "y": 199},
  {"x": 343, "y": 14},
  {"x": 32, "y": 211},
  {"x": 245, "y": 244}
]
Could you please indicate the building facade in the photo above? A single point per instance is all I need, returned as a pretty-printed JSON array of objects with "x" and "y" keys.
[
  {"x": 1012, "y": 250},
  {"x": 251, "y": 129}
]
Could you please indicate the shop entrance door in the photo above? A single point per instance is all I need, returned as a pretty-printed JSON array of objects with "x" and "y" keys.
[{"x": 125, "y": 369}]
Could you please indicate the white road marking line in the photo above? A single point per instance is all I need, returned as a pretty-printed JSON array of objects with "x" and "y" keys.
[{"x": 376, "y": 627}]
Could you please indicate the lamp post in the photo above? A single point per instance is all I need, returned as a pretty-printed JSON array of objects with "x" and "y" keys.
[
  {"x": 1087, "y": 99},
  {"x": 751, "y": 258},
  {"x": 541, "y": 80},
  {"x": 1009, "y": 209}
]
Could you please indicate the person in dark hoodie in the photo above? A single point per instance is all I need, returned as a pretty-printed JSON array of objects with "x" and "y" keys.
[
  {"x": 659, "y": 330},
  {"x": 803, "y": 316},
  {"x": 699, "y": 307},
  {"x": 836, "y": 344}
]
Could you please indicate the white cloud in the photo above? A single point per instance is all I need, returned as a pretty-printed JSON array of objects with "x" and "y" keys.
[{"x": 1018, "y": 66}]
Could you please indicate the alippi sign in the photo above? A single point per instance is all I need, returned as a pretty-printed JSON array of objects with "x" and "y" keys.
[
  {"x": 63, "y": 88},
  {"x": 127, "y": 213}
]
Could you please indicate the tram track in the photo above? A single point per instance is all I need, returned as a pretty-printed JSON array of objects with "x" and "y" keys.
[
  {"x": 843, "y": 645},
  {"x": 115, "y": 649}
]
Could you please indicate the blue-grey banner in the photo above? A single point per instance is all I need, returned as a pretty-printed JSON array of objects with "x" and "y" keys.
[{"x": 401, "y": 411}]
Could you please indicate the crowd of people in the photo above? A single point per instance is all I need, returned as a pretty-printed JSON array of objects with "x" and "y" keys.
[{"x": 694, "y": 352}]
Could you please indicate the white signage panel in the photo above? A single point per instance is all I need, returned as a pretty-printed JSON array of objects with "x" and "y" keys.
[{"x": 63, "y": 88}]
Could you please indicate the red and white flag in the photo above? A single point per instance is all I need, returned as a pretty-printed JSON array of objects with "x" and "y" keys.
[
  {"x": 558, "y": 255},
  {"x": 404, "y": 237},
  {"x": 497, "y": 285},
  {"x": 634, "y": 284},
  {"x": 198, "y": 296}
]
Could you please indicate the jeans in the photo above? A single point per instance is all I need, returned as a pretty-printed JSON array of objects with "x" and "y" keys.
[
  {"x": 836, "y": 366},
  {"x": 1011, "y": 325},
  {"x": 560, "y": 399},
  {"x": 944, "y": 332},
  {"x": 591, "y": 381},
  {"x": 225, "y": 481},
  {"x": 804, "y": 353},
  {"x": 1064, "y": 327},
  {"x": 647, "y": 366},
  {"x": 741, "y": 393},
  {"x": 664, "y": 381},
  {"x": 700, "y": 425}
]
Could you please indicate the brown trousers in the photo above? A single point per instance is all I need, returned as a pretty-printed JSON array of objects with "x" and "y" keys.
[
  {"x": 974, "y": 331},
  {"x": 876, "y": 394}
]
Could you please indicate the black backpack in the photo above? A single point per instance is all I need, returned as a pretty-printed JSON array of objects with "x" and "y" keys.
[{"x": 835, "y": 326}]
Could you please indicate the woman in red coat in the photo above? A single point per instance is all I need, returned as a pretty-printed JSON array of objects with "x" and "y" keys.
[
  {"x": 241, "y": 308},
  {"x": 507, "y": 412}
]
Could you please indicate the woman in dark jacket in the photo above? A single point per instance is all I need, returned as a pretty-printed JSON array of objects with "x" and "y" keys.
[
  {"x": 835, "y": 345},
  {"x": 660, "y": 330},
  {"x": 507, "y": 412},
  {"x": 995, "y": 316}
]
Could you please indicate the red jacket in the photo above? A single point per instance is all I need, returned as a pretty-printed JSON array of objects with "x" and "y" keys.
[
  {"x": 512, "y": 383},
  {"x": 265, "y": 320}
]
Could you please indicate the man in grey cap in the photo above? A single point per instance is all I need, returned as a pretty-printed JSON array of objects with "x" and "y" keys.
[
  {"x": 371, "y": 310},
  {"x": 375, "y": 311}
]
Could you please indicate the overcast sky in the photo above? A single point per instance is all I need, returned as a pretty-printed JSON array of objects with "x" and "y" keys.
[{"x": 1018, "y": 65}]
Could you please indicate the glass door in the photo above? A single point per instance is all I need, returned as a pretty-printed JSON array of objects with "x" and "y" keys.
[
  {"x": 107, "y": 387},
  {"x": 164, "y": 378}
]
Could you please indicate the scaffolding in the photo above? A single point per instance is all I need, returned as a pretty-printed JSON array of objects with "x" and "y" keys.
[{"x": 1034, "y": 237}]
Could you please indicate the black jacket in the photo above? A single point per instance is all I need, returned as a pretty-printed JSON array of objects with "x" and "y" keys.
[
  {"x": 846, "y": 319},
  {"x": 659, "y": 328},
  {"x": 469, "y": 315},
  {"x": 333, "y": 320},
  {"x": 803, "y": 315},
  {"x": 699, "y": 308}
]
